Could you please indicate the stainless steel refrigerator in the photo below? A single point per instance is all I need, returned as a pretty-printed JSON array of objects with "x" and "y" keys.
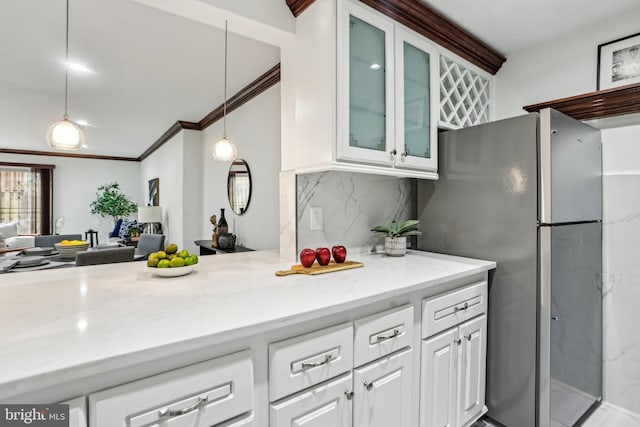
[{"x": 526, "y": 192}]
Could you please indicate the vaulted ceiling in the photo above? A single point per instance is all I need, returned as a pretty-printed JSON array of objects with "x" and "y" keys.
[{"x": 147, "y": 69}]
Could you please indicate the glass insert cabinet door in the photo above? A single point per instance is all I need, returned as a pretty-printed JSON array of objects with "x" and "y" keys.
[
  {"x": 365, "y": 86},
  {"x": 416, "y": 122}
]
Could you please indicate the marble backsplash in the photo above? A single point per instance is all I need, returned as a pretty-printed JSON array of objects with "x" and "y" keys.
[
  {"x": 352, "y": 203},
  {"x": 621, "y": 268}
]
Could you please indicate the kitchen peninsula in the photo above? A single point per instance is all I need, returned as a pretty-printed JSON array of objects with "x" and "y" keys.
[{"x": 77, "y": 332}]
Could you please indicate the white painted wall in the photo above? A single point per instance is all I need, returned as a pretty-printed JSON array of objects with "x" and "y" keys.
[
  {"x": 621, "y": 152},
  {"x": 75, "y": 182},
  {"x": 255, "y": 129},
  {"x": 567, "y": 67},
  {"x": 166, "y": 164},
  {"x": 562, "y": 67}
]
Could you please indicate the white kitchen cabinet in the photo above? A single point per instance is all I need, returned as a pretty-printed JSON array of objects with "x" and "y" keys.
[
  {"x": 382, "y": 391},
  {"x": 200, "y": 395},
  {"x": 416, "y": 102},
  {"x": 438, "y": 380},
  {"x": 368, "y": 101},
  {"x": 326, "y": 405},
  {"x": 452, "y": 382},
  {"x": 471, "y": 369},
  {"x": 385, "y": 97},
  {"x": 453, "y": 375},
  {"x": 365, "y": 86}
]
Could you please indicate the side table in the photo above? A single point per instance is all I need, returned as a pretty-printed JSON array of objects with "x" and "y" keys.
[{"x": 206, "y": 248}]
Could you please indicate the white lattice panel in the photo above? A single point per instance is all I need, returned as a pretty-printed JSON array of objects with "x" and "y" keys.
[{"x": 464, "y": 95}]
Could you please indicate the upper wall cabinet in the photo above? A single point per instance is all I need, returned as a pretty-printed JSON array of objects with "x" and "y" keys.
[
  {"x": 369, "y": 94},
  {"x": 385, "y": 76}
]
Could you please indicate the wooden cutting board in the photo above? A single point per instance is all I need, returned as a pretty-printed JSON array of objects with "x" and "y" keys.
[{"x": 320, "y": 269}]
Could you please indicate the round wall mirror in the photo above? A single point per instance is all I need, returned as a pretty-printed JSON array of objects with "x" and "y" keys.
[{"x": 239, "y": 186}]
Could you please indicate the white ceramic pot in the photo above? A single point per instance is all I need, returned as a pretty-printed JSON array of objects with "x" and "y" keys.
[{"x": 395, "y": 246}]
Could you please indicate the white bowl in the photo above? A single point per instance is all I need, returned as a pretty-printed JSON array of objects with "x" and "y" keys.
[
  {"x": 172, "y": 272},
  {"x": 70, "y": 251}
]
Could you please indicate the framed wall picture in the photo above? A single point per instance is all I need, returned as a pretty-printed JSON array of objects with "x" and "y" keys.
[
  {"x": 154, "y": 192},
  {"x": 619, "y": 62}
]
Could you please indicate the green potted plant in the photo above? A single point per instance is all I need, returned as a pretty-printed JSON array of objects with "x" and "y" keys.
[
  {"x": 111, "y": 202},
  {"x": 395, "y": 235}
]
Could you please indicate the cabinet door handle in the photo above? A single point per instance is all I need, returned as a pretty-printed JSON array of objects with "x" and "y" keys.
[
  {"x": 327, "y": 358},
  {"x": 349, "y": 394},
  {"x": 368, "y": 385},
  {"x": 464, "y": 307},
  {"x": 458, "y": 341},
  {"x": 394, "y": 334},
  {"x": 468, "y": 337},
  {"x": 393, "y": 152},
  {"x": 169, "y": 413},
  {"x": 404, "y": 154}
]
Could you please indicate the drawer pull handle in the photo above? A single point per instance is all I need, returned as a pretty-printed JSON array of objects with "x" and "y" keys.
[
  {"x": 349, "y": 394},
  {"x": 168, "y": 413},
  {"x": 458, "y": 341},
  {"x": 327, "y": 358},
  {"x": 464, "y": 307},
  {"x": 368, "y": 385},
  {"x": 394, "y": 334}
]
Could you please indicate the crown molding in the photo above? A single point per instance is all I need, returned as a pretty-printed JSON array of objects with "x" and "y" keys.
[
  {"x": 426, "y": 21},
  {"x": 71, "y": 155},
  {"x": 270, "y": 78},
  {"x": 298, "y": 6}
]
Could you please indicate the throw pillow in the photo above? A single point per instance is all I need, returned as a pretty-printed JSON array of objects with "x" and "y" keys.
[
  {"x": 125, "y": 227},
  {"x": 9, "y": 230},
  {"x": 3, "y": 244},
  {"x": 116, "y": 229}
]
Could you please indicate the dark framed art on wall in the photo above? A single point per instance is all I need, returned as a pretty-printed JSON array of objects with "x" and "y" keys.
[
  {"x": 619, "y": 62},
  {"x": 154, "y": 192}
]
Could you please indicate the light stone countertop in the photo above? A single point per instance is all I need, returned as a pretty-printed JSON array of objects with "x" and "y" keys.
[{"x": 65, "y": 324}]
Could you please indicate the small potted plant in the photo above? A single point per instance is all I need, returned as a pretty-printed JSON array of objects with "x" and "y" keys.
[{"x": 395, "y": 235}]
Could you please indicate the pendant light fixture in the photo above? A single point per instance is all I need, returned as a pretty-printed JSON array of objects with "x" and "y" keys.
[
  {"x": 224, "y": 150},
  {"x": 65, "y": 134}
]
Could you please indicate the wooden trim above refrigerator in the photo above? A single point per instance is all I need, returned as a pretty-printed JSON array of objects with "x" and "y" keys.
[{"x": 596, "y": 105}]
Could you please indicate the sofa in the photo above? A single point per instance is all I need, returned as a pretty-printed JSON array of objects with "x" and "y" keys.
[{"x": 12, "y": 239}]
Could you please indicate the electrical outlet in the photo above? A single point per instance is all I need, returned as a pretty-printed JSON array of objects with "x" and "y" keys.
[{"x": 316, "y": 219}]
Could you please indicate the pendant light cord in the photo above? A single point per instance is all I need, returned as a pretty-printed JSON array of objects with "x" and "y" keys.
[
  {"x": 224, "y": 113},
  {"x": 66, "y": 65}
]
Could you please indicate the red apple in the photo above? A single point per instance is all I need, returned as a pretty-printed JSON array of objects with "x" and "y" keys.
[
  {"x": 339, "y": 253},
  {"x": 323, "y": 255},
  {"x": 307, "y": 257}
]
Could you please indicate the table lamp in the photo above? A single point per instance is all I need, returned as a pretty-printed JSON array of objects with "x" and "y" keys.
[{"x": 150, "y": 216}]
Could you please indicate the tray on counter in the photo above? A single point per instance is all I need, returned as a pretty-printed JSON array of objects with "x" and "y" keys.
[{"x": 320, "y": 269}]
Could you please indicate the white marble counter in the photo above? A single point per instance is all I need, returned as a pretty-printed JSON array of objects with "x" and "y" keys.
[{"x": 66, "y": 324}]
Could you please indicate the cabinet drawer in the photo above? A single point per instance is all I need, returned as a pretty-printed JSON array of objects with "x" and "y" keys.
[
  {"x": 306, "y": 360},
  {"x": 445, "y": 311},
  {"x": 382, "y": 334},
  {"x": 198, "y": 395},
  {"x": 322, "y": 406}
]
